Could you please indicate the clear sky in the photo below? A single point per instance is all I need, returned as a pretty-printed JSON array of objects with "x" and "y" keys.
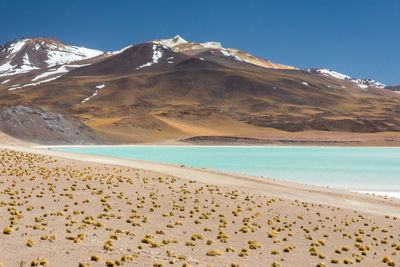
[{"x": 360, "y": 38}]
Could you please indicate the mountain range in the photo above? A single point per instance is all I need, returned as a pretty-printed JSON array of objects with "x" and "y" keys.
[{"x": 171, "y": 89}]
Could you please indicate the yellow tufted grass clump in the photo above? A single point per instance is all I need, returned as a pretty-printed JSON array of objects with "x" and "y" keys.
[
  {"x": 214, "y": 252},
  {"x": 7, "y": 231}
]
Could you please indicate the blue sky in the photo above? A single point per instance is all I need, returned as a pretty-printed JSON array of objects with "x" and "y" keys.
[{"x": 360, "y": 38}]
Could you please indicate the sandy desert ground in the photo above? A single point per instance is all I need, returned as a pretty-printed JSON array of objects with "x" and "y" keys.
[{"x": 65, "y": 209}]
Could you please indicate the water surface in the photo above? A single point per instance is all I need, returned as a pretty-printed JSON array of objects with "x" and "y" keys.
[{"x": 368, "y": 169}]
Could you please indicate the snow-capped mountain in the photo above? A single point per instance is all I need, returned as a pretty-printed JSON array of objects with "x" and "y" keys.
[
  {"x": 173, "y": 42},
  {"x": 28, "y": 54},
  {"x": 179, "y": 44},
  {"x": 362, "y": 83}
]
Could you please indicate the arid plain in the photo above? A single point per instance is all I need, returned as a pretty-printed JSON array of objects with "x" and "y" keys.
[{"x": 65, "y": 209}]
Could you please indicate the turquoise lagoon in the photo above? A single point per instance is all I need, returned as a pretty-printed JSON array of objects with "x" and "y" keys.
[{"x": 360, "y": 169}]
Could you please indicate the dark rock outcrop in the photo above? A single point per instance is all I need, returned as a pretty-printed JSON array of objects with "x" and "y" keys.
[{"x": 44, "y": 127}]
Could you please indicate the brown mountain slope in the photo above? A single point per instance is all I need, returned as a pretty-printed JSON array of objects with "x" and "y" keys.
[
  {"x": 395, "y": 88},
  {"x": 151, "y": 93}
]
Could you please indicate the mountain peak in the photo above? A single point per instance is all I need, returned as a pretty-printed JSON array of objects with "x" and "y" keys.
[
  {"x": 172, "y": 42},
  {"x": 178, "y": 38},
  {"x": 179, "y": 43},
  {"x": 25, "y": 54}
]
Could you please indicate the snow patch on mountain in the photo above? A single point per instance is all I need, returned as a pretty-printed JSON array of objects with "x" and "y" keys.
[
  {"x": 49, "y": 80},
  {"x": 25, "y": 60},
  {"x": 61, "y": 69},
  {"x": 26, "y": 65},
  {"x": 58, "y": 55},
  {"x": 170, "y": 60},
  {"x": 331, "y": 73},
  {"x": 226, "y": 53},
  {"x": 368, "y": 82},
  {"x": 229, "y": 53},
  {"x": 362, "y": 83},
  {"x": 15, "y": 47},
  {"x": 157, "y": 54},
  {"x": 98, "y": 87},
  {"x": 34, "y": 84},
  {"x": 7, "y": 69},
  {"x": 213, "y": 45},
  {"x": 6, "y": 81}
]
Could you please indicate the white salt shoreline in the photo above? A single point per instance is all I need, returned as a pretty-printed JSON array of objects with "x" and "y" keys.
[{"x": 392, "y": 194}]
